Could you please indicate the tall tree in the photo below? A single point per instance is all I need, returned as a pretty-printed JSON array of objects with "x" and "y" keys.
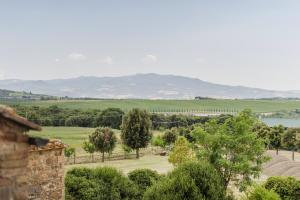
[
  {"x": 104, "y": 140},
  {"x": 136, "y": 129},
  {"x": 291, "y": 140},
  {"x": 276, "y": 137},
  {"x": 233, "y": 148}
]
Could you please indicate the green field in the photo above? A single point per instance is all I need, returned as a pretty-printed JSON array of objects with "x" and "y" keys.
[
  {"x": 172, "y": 105},
  {"x": 74, "y": 136}
]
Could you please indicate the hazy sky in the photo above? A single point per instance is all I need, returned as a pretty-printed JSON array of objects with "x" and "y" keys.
[{"x": 253, "y": 43}]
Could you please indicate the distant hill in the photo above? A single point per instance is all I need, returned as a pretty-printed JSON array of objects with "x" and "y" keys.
[
  {"x": 9, "y": 94},
  {"x": 146, "y": 86}
]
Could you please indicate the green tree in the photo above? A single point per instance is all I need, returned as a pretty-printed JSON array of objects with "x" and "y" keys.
[
  {"x": 288, "y": 188},
  {"x": 89, "y": 148},
  {"x": 144, "y": 178},
  {"x": 69, "y": 152},
  {"x": 182, "y": 152},
  {"x": 100, "y": 183},
  {"x": 276, "y": 137},
  {"x": 136, "y": 129},
  {"x": 263, "y": 131},
  {"x": 170, "y": 136},
  {"x": 192, "y": 181},
  {"x": 110, "y": 117},
  {"x": 260, "y": 193},
  {"x": 232, "y": 148},
  {"x": 104, "y": 140}
]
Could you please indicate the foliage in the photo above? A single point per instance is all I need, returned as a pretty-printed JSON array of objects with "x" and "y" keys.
[
  {"x": 192, "y": 180},
  {"x": 144, "y": 178},
  {"x": 126, "y": 150},
  {"x": 89, "y": 148},
  {"x": 260, "y": 193},
  {"x": 110, "y": 117},
  {"x": 276, "y": 136},
  {"x": 263, "y": 131},
  {"x": 100, "y": 183},
  {"x": 170, "y": 136},
  {"x": 136, "y": 129},
  {"x": 158, "y": 141},
  {"x": 104, "y": 140},
  {"x": 69, "y": 152},
  {"x": 288, "y": 188},
  {"x": 232, "y": 148},
  {"x": 185, "y": 132},
  {"x": 291, "y": 139},
  {"x": 181, "y": 152}
]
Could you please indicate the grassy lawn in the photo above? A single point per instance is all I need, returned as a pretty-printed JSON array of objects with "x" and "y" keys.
[
  {"x": 158, "y": 163},
  {"x": 74, "y": 136},
  {"x": 172, "y": 105}
]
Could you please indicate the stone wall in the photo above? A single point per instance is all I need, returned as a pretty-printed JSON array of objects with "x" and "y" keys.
[{"x": 44, "y": 176}]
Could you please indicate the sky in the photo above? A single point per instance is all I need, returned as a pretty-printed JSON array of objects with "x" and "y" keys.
[{"x": 252, "y": 43}]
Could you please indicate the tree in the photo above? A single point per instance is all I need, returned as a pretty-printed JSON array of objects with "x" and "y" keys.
[
  {"x": 69, "y": 152},
  {"x": 263, "y": 131},
  {"x": 110, "y": 117},
  {"x": 191, "y": 180},
  {"x": 136, "y": 129},
  {"x": 276, "y": 136},
  {"x": 288, "y": 188},
  {"x": 258, "y": 192},
  {"x": 170, "y": 136},
  {"x": 104, "y": 140},
  {"x": 181, "y": 152},
  {"x": 99, "y": 183},
  {"x": 89, "y": 148},
  {"x": 144, "y": 178},
  {"x": 232, "y": 148}
]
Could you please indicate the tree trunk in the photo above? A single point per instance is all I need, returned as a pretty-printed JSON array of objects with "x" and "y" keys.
[
  {"x": 293, "y": 155},
  {"x": 137, "y": 153},
  {"x": 92, "y": 157},
  {"x": 276, "y": 151},
  {"x": 74, "y": 157},
  {"x": 102, "y": 156}
]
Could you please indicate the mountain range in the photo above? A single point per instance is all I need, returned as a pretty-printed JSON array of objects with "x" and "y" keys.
[{"x": 144, "y": 86}]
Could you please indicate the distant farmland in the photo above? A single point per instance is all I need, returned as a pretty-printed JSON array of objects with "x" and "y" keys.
[{"x": 257, "y": 106}]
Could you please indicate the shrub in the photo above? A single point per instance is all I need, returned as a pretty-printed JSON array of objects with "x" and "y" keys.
[
  {"x": 144, "y": 178},
  {"x": 288, "y": 188},
  {"x": 170, "y": 136},
  {"x": 191, "y": 180},
  {"x": 261, "y": 193},
  {"x": 101, "y": 183},
  {"x": 181, "y": 152},
  {"x": 158, "y": 141}
]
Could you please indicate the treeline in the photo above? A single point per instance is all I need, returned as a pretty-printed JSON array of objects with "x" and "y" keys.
[{"x": 110, "y": 117}]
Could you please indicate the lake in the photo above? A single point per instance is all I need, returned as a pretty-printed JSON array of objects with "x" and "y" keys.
[{"x": 283, "y": 121}]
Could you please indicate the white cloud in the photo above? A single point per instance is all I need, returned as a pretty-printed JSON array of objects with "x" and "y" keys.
[
  {"x": 150, "y": 59},
  {"x": 57, "y": 60},
  {"x": 77, "y": 57},
  {"x": 2, "y": 74},
  {"x": 107, "y": 60}
]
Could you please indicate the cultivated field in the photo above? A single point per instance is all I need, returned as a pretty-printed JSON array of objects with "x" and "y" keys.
[{"x": 171, "y": 105}]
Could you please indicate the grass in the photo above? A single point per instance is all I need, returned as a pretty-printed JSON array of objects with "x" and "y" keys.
[
  {"x": 74, "y": 136},
  {"x": 171, "y": 105},
  {"x": 158, "y": 163}
]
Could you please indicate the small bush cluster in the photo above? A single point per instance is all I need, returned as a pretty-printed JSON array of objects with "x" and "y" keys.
[{"x": 288, "y": 188}]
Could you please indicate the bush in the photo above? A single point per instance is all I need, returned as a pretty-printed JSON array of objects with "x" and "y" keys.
[
  {"x": 288, "y": 188},
  {"x": 192, "y": 180},
  {"x": 144, "y": 178},
  {"x": 101, "y": 183},
  {"x": 170, "y": 136},
  {"x": 261, "y": 193}
]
